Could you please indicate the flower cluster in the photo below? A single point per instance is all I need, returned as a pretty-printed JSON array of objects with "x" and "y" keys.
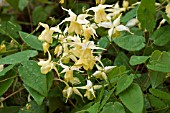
[{"x": 76, "y": 50}]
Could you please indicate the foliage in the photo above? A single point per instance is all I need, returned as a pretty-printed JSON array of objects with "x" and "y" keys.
[{"x": 78, "y": 56}]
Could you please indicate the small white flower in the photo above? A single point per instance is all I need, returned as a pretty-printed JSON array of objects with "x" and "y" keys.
[
  {"x": 90, "y": 90},
  {"x": 101, "y": 73},
  {"x": 114, "y": 26},
  {"x": 1, "y": 67},
  {"x": 132, "y": 22}
]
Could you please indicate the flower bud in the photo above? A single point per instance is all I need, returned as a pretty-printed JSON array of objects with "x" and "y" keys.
[
  {"x": 100, "y": 1},
  {"x": 58, "y": 50},
  {"x": 45, "y": 46},
  {"x": 1, "y": 67},
  {"x": 125, "y": 4},
  {"x": 2, "y": 48}
]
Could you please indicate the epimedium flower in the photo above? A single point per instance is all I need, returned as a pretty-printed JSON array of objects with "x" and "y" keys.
[
  {"x": 90, "y": 90},
  {"x": 47, "y": 33},
  {"x": 115, "y": 27},
  {"x": 67, "y": 54},
  {"x": 167, "y": 10},
  {"x": 132, "y": 22},
  {"x": 101, "y": 73},
  {"x": 68, "y": 77},
  {"x": 58, "y": 50},
  {"x": 86, "y": 59},
  {"x": 67, "y": 92},
  {"x": 88, "y": 31},
  {"x": 125, "y": 4},
  {"x": 100, "y": 14},
  {"x": 114, "y": 11},
  {"x": 45, "y": 46},
  {"x": 47, "y": 65},
  {"x": 76, "y": 21}
]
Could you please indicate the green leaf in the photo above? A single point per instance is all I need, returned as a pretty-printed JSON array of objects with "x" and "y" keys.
[
  {"x": 13, "y": 3},
  {"x": 159, "y": 61},
  {"x": 22, "y": 4},
  {"x": 50, "y": 78},
  {"x": 37, "y": 96},
  {"x": 18, "y": 57},
  {"x": 156, "y": 102},
  {"x": 135, "y": 60},
  {"x": 160, "y": 94},
  {"x": 107, "y": 96},
  {"x": 54, "y": 99},
  {"x": 161, "y": 36},
  {"x": 116, "y": 72},
  {"x": 55, "y": 102},
  {"x": 157, "y": 78},
  {"x": 10, "y": 28},
  {"x": 122, "y": 59},
  {"x": 164, "y": 15},
  {"x": 38, "y": 15},
  {"x": 113, "y": 108},
  {"x": 10, "y": 109},
  {"x": 103, "y": 42},
  {"x": 5, "y": 85},
  {"x": 129, "y": 15},
  {"x": 84, "y": 108},
  {"x": 130, "y": 42},
  {"x": 32, "y": 77},
  {"x": 32, "y": 107},
  {"x": 132, "y": 98},
  {"x": 31, "y": 40},
  {"x": 123, "y": 84},
  {"x": 146, "y": 14},
  {"x": 94, "y": 108},
  {"x": 5, "y": 70}
]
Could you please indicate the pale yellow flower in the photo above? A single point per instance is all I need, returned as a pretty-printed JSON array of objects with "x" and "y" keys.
[
  {"x": 88, "y": 31},
  {"x": 2, "y": 48},
  {"x": 68, "y": 77},
  {"x": 100, "y": 1},
  {"x": 86, "y": 60},
  {"x": 67, "y": 55},
  {"x": 167, "y": 10},
  {"x": 114, "y": 26},
  {"x": 47, "y": 33},
  {"x": 101, "y": 73},
  {"x": 76, "y": 21},
  {"x": 100, "y": 14},
  {"x": 46, "y": 47},
  {"x": 114, "y": 12},
  {"x": 125, "y": 4},
  {"x": 47, "y": 65},
  {"x": 58, "y": 50},
  {"x": 61, "y": 2},
  {"x": 90, "y": 90},
  {"x": 67, "y": 92}
]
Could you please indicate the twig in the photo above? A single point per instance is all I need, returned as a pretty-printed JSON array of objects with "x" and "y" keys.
[
  {"x": 20, "y": 89},
  {"x": 30, "y": 17}
]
